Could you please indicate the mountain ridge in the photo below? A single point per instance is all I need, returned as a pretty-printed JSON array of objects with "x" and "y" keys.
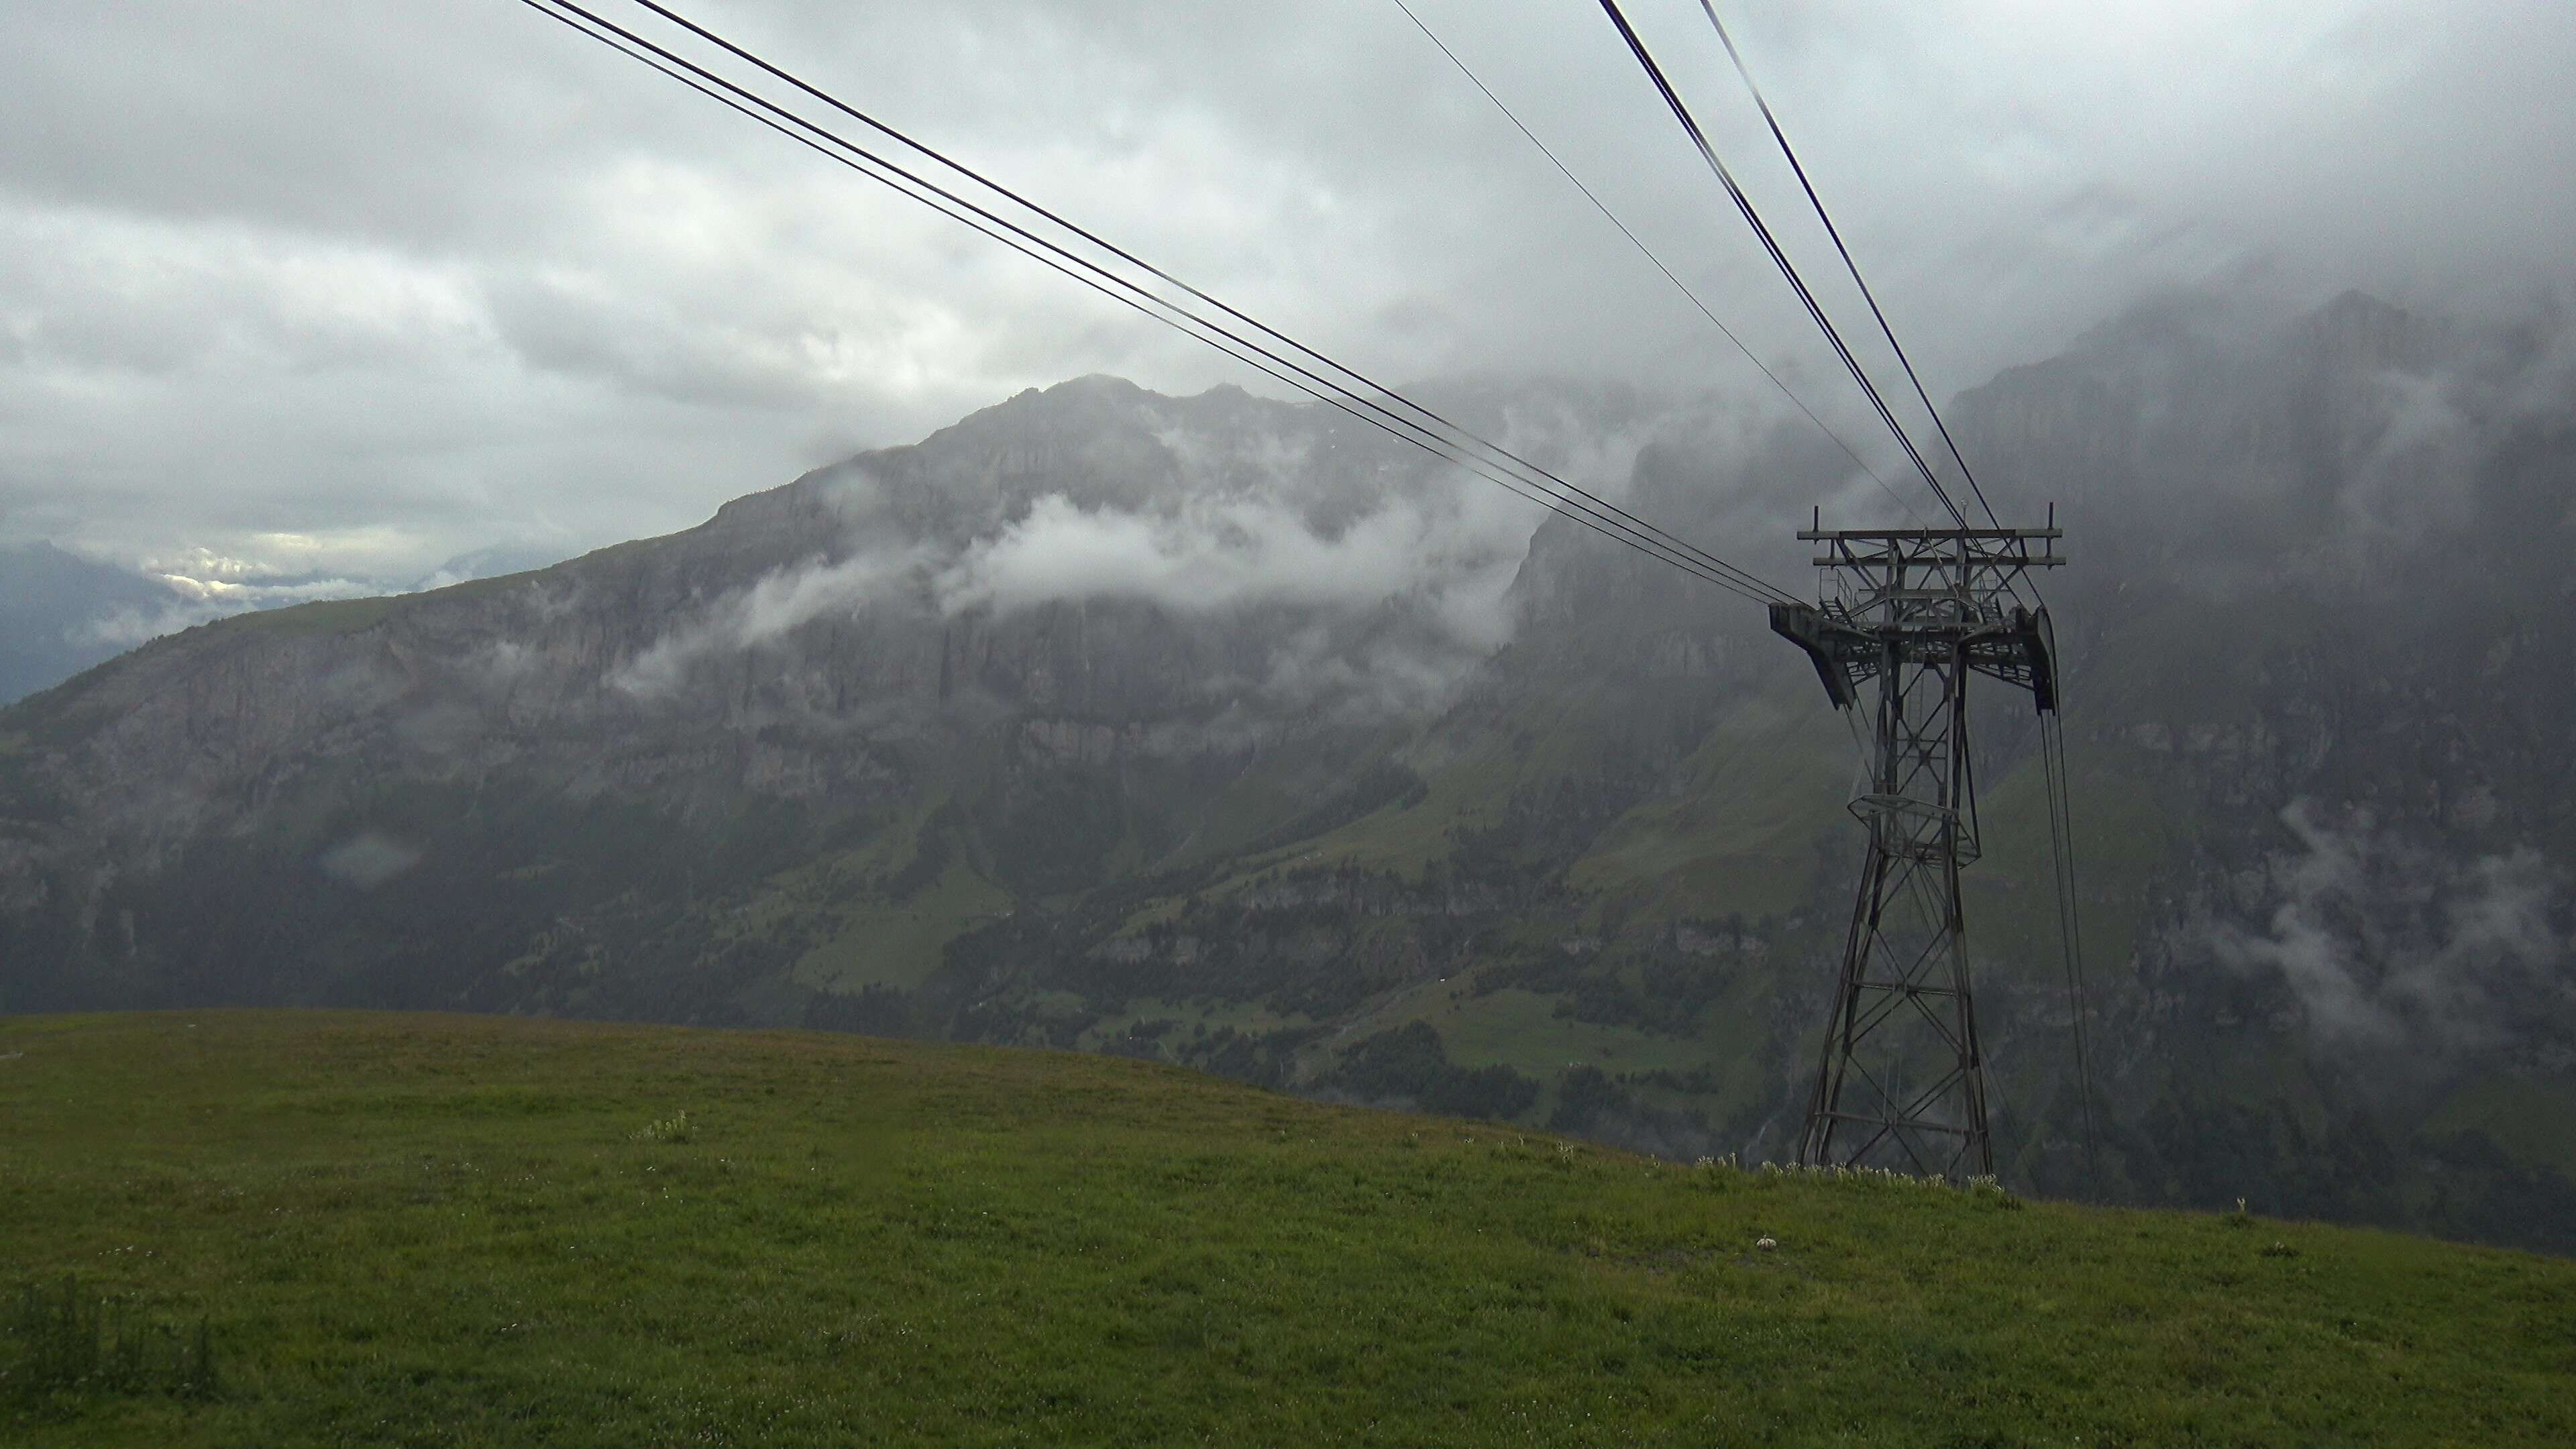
[{"x": 1221, "y": 730}]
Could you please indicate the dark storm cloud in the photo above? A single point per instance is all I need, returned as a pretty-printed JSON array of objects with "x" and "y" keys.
[{"x": 346, "y": 288}]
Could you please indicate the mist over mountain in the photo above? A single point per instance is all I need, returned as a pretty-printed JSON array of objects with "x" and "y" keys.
[
  {"x": 489, "y": 562},
  {"x": 57, "y": 612},
  {"x": 61, "y": 613},
  {"x": 1229, "y": 731}
]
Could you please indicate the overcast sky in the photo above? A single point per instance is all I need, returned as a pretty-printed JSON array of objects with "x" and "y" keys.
[{"x": 352, "y": 285}]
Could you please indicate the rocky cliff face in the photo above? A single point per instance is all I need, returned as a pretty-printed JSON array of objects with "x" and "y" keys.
[{"x": 1221, "y": 730}]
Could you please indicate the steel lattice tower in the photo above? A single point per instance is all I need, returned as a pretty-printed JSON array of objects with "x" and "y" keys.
[{"x": 1906, "y": 616}]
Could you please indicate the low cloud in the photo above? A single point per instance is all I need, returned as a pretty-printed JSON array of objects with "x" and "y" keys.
[
  {"x": 202, "y": 601},
  {"x": 380, "y": 265},
  {"x": 205, "y": 586},
  {"x": 2388, "y": 943},
  {"x": 1200, "y": 559},
  {"x": 1338, "y": 576},
  {"x": 1402, "y": 673},
  {"x": 779, "y": 602},
  {"x": 1383, "y": 614},
  {"x": 368, "y": 859},
  {"x": 1399, "y": 603}
]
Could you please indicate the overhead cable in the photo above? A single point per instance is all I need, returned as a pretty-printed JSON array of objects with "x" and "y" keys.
[
  {"x": 1377, "y": 398},
  {"x": 1438, "y": 435},
  {"x": 1753, "y": 218},
  {"x": 1182, "y": 323},
  {"x": 1648, "y": 252},
  {"x": 1849, "y": 265},
  {"x": 2070, "y": 921}
]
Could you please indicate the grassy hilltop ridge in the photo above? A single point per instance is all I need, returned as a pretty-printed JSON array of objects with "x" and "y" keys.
[{"x": 445, "y": 1230}]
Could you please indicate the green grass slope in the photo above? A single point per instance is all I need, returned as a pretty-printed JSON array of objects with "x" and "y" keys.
[{"x": 455, "y": 1231}]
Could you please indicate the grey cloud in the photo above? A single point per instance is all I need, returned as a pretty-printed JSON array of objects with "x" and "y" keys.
[
  {"x": 641, "y": 346},
  {"x": 1404, "y": 600},
  {"x": 1373, "y": 581},
  {"x": 1201, "y": 558},
  {"x": 125, "y": 627},
  {"x": 369, "y": 859},
  {"x": 410, "y": 280},
  {"x": 2386, "y": 942},
  {"x": 778, "y": 603}
]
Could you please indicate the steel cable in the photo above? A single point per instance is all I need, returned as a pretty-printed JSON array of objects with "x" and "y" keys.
[
  {"x": 1779, "y": 258},
  {"x": 1849, "y": 265},
  {"x": 1649, "y": 254},
  {"x": 1461, "y": 435},
  {"x": 1575, "y": 504}
]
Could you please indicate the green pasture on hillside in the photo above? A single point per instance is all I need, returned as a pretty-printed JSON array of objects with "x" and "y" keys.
[{"x": 437, "y": 1230}]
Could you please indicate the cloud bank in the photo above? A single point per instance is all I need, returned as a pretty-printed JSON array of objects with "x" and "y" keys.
[
  {"x": 778, "y": 603},
  {"x": 406, "y": 280},
  {"x": 1201, "y": 558},
  {"x": 2385, "y": 942},
  {"x": 1371, "y": 581}
]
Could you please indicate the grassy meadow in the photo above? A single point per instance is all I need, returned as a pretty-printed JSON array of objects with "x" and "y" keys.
[{"x": 439, "y": 1230}]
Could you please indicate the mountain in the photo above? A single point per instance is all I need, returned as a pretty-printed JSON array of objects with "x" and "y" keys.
[
  {"x": 492, "y": 561},
  {"x": 61, "y": 613},
  {"x": 1217, "y": 730}
]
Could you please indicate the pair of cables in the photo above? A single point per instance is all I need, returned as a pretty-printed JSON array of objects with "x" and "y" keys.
[
  {"x": 2052, "y": 742},
  {"x": 2070, "y": 921},
  {"x": 742, "y": 80},
  {"x": 1798, "y": 283},
  {"x": 1771, "y": 246},
  {"x": 974, "y": 200}
]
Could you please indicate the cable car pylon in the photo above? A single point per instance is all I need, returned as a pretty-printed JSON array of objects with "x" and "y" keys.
[{"x": 1905, "y": 617}]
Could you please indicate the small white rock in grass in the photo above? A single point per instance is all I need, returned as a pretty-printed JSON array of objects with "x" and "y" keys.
[{"x": 1765, "y": 1244}]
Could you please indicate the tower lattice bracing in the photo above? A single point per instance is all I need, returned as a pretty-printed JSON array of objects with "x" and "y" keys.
[{"x": 1906, "y": 617}]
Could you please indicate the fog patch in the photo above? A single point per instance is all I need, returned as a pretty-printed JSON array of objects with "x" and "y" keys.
[
  {"x": 446, "y": 728},
  {"x": 1365, "y": 681},
  {"x": 780, "y": 601},
  {"x": 1379, "y": 580},
  {"x": 1201, "y": 558},
  {"x": 368, "y": 859},
  {"x": 202, "y": 601},
  {"x": 1261, "y": 460},
  {"x": 2387, "y": 943},
  {"x": 125, "y": 626},
  {"x": 2408, "y": 482},
  {"x": 1396, "y": 605},
  {"x": 504, "y": 662}
]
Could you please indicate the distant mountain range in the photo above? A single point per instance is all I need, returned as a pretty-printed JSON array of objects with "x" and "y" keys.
[
  {"x": 61, "y": 613},
  {"x": 57, "y": 612},
  {"x": 1219, "y": 730}
]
